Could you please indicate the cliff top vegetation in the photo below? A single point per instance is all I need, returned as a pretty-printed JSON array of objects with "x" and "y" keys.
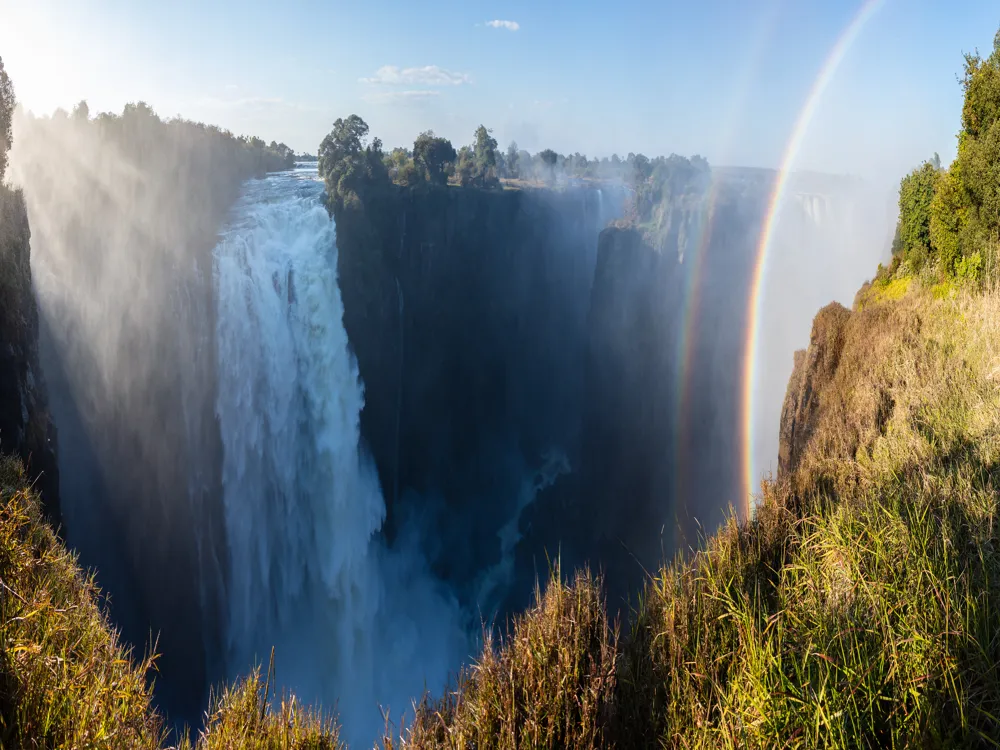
[{"x": 351, "y": 165}]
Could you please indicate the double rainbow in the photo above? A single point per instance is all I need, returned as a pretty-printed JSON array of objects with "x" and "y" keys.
[{"x": 750, "y": 364}]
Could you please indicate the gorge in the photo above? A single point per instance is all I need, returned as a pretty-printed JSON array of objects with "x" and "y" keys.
[{"x": 358, "y": 439}]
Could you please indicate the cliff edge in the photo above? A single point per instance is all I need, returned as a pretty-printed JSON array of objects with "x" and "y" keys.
[{"x": 26, "y": 427}]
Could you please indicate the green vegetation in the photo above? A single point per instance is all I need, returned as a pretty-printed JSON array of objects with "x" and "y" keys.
[
  {"x": 6, "y": 117},
  {"x": 951, "y": 219},
  {"x": 67, "y": 681},
  {"x": 433, "y": 156}
]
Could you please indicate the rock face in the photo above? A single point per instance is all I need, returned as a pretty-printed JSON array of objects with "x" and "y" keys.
[
  {"x": 467, "y": 311},
  {"x": 663, "y": 388},
  {"x": 814, "y": 368},
  {"x": 629, "y": 445},
  {"x": 26, "y": 428}
]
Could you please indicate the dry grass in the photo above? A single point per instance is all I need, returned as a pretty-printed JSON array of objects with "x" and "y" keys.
[
  {"x": 549, "y": 686},
  {"x": 66, "y": 681},
  {"x": 240, "y": 717},
  {"x": 859, "y": 607}
]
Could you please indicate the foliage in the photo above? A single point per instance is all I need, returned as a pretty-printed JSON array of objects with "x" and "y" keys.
[
  {"x": 349, "y": 165},
  {"x": 916, "y": 191},
  {"x": 484, "y": 158},
  {"x": 512, "y": 160},
  {"x": 968, "y": 268},
  {"x": 948, "y": 216},
  {"x": 7, "y": 102},
  {"x": 82, "y": 110},
  {"x": 549, "y": 158},
  {"x": 465, "y": 168},
  {"x": 433, "y": 155},
  {"x": 285, "y": 153}
]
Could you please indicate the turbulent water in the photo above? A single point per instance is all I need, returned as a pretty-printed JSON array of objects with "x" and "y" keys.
[{"x": 352, "y": 623}]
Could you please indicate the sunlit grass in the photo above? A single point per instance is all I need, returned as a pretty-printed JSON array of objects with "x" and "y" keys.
[
  {"x": 66, "y": 680},
  {"x": 859, "y": 607}
]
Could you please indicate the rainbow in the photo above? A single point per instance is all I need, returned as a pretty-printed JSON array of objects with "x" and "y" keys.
[
  {"x": 685, "y": 342},
  {"x": 693, "y": 281},
  {"x": 826, "y": 73}
]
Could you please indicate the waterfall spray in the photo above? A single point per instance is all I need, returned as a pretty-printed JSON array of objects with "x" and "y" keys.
[{"x": 351, "y": 622}]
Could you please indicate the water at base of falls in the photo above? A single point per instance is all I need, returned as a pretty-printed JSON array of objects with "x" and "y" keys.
[{"x": 355, "y": 626}]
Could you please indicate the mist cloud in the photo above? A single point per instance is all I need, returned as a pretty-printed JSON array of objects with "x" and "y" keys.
[
  {"x": 428, "y": 75},
  {"x": 509, "y": 25}
]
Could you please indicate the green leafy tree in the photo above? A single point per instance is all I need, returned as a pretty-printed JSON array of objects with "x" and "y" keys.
[
  {"x": 7, "y": 102},
  {"x": 916, "y": 191},
  {"x": 549, "y": 159},
  {"x": 81, "y": 111},
  {"x": 433, "y": 155},
  {"x": 346, "y": 164},
  {"x": 484, "y": 156},
  {"x": 948, "y": 216},
  {"x": 512, "y": 160},
  {"x": 465, "y": 167},
  {"x": 966, "y": 209}
]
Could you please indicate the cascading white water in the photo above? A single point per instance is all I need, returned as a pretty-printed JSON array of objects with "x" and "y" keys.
[{"x": 352, "y": 624}]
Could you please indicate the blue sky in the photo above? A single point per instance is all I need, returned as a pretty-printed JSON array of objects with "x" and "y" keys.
[{"x": 721, "y": 78}]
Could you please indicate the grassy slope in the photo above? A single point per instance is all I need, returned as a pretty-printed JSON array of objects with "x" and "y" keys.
[
  {"x": 66, "y": 680},
  {"x": 860, "y": 607}
]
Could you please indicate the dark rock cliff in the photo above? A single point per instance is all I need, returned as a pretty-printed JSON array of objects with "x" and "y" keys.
[
  {"x": 26, "y": 427},
  {"x": 467, "y": 311},
  {"x": 660, "y": 426}
]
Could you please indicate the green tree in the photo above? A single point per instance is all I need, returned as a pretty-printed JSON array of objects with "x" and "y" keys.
[
  {"x": 549, "y": 159},
  {"x": 465, "y": 167},
  {"x": 916, "y": 191},
  {"x": 81, "y": 111},
  {"x": 512, "y": 159},
  {"x": 433, "y": 155},
  {"x": 7, "y": 102},
  {"x": 484, "y": 156},
  {"x": 346, "y": 164},
  {"x": 948, "y": 218}
]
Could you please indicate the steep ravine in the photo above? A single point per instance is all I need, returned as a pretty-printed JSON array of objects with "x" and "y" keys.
[{"x": 467, "y": 310}]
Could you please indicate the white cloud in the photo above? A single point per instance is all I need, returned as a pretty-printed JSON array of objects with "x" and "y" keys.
[
  {"x": 429, "y": 75},
  {"x": 509, "y": 25},
  {"x": 389, "y": 97}
]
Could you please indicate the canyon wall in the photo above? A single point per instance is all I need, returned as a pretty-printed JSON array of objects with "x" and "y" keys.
[{"x": 26, "y": 426}]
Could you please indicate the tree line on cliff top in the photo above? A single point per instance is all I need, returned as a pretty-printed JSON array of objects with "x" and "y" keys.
[
  {"x": 351, "y": 164},
  {"x": 949, "y": 218}
]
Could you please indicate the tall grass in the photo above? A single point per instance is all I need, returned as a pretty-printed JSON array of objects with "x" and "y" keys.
[
  {"x": 66, "y": 681},
  {"x": 858, "y": 607}
]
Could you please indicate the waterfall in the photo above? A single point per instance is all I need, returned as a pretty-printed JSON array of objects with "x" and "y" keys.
[{"x": 352, "y": 623}]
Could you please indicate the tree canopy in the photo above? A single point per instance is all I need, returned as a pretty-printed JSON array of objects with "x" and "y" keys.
[
  {"x": 950, "y": 220},
  {"x": 433, "y": 156},
  {"x": 7, "y": 102},
  {"x": 347, "y": 164}
]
